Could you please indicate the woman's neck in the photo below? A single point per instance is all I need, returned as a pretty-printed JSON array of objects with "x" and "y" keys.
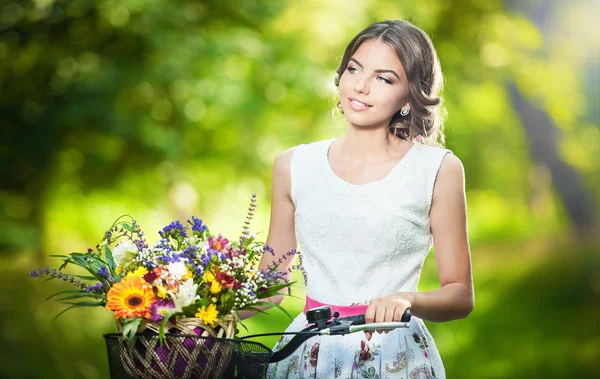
[{"x": 369, "y": 145}]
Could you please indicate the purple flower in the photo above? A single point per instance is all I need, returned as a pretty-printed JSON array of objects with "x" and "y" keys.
[
  {"x": 173, "y": 230},
  {"x": 103, "y": 272},
  {"x": 160, "y": 308},
  {"x": 269, "y": 249},
  {"x": 199, "y": 270},
  {"x": 205, "y": 261},
  {"x": 197, "y": 225},
  {"x": 57, "y": 274},
  {"x": 39, "y": 272},
  {"x": 190, "y": 253},
  {"x": 95, "y": 289},
  {"x": 276, "y": 263},
  {"x": 108, "y": 237}
]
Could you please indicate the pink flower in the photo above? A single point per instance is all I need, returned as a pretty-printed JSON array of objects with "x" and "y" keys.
[
  {"x": 219, "y": 243},
  {"x": 159, "y": 309}
]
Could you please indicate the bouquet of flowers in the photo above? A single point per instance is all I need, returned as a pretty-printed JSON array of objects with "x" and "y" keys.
[{"x": 190, "y": 281}]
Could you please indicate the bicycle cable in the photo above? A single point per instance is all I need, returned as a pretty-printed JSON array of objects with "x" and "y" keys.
[{"x": 278, "y": 334}]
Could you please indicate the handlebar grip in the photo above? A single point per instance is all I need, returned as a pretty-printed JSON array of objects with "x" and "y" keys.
[
  {"x": 406, "y": 316},
  {"x": 356, "y": 320},
  {"x": 360, "y": 319}
]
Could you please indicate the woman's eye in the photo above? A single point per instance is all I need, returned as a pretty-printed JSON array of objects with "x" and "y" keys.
[
  {"x": 385, "y": 80},
  {"x": 351, "y": 70}
]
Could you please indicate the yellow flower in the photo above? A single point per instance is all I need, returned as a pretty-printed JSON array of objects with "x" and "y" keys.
[
  {"x": 188, "y": 274},
  {"x": 130, "y": 297},
  {"x": 161, "y": 292},
  {"x": 208, "y": 315},
  {"x": 140, "y": 271},
  {"x": 208, "y": 277},
  {"x": 215, "y": 286},
  {"x": 119, "y": 270}
]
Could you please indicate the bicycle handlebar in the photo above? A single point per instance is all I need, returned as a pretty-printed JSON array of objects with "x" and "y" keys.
[
  {"x": 360, "y": 319},
  {"x": 338, "y": 326}
]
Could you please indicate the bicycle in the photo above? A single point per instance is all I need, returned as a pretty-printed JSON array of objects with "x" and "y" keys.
[{"x": 207, "y": 357}]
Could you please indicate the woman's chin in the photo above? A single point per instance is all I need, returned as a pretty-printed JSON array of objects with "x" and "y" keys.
[{"x": 364, "y": 122}]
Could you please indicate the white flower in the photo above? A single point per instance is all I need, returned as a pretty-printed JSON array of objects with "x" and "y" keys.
[
  {"x": 187, "y": 294},
  {"x": 124, "y": 252},
  {"x": 177, "y": 269}
]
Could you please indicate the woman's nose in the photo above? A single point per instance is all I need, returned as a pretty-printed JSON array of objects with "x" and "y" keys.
[{"x": 361, "y": 86}]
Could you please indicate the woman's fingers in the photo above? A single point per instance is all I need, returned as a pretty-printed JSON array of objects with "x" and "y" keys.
[
  {"x": 380, "y": 314},
  {"x": 370, "y": 313}
]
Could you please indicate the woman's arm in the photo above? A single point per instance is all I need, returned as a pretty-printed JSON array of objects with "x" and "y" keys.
[
  {"x": 282, "y": 234},
  {"x": 455, "y": 299}
]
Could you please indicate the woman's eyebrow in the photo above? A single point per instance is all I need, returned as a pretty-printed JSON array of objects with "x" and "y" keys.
[{"x": 379, "y": 71}]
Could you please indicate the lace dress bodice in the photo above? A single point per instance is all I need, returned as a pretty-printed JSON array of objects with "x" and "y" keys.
[{"x": 360, "y": 242}]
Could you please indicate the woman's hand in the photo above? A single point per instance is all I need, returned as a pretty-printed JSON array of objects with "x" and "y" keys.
[{"x": 388, "y": 309}]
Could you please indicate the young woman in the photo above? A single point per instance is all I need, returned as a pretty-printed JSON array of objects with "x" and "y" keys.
[{"x": 366, "y": 209}]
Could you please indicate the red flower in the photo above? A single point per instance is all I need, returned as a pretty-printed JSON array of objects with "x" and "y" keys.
[
  {"x": 227, "y": 281},
  {"x": 150, "y": 276},
  {"x": 365, "y": 352},
  {"x": 314, "y": 355},
  {"x": 416, "y": 338}
]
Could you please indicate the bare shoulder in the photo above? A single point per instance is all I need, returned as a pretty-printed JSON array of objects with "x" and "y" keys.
[
  {"x": 451, "y": 176},
  {"x": 281, "y": 172},
  {"x": 281, "y": 164}
]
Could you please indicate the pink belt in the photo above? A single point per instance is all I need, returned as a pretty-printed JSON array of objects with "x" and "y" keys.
[{"x": 344, "y": 310}]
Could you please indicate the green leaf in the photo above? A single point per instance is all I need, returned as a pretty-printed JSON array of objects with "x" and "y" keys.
[
  {"x": 225, "y": 297},
  {"x": 265, "y": 303},
  {"x": 85, "y": 277},
  {"x": 255, "y": 310},
  {"x": 76, "y": 305},
  {"x": 241, "y": 323},
  {"x": 278, "y": 287},
  {"x": 63, "y": 292},
  {"x": 191, "y": 310},
  {"x": 161, "y": 332},
  {"x": 110, "y": 261},
  {"x": 92, "y": 295},
  {"x": 131, "y": 326},
  {"x": 85, "y": 303}
]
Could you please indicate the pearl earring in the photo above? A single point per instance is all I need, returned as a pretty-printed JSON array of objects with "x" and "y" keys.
[{"x": 404, "y": 112}]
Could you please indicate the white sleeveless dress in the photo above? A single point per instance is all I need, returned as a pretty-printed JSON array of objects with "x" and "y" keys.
[{"x": 357, "y": 243}]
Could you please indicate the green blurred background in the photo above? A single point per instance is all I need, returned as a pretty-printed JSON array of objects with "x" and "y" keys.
[{"x": 169, "y": 108}]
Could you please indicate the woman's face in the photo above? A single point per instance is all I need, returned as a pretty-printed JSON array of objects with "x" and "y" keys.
[{"x": 373, "y": 87}]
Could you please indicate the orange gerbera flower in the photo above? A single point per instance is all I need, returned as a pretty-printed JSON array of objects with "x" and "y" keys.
[{"x": 131, "y": 297}]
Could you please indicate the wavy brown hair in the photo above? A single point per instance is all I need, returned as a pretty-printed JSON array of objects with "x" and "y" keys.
[{"x": 424, "y": 122}]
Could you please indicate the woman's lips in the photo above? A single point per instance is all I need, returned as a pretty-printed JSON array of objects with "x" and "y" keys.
[{"x": 357, "y": 105}]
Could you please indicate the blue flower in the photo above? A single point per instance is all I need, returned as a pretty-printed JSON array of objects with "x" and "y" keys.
[
  {"x": 103, "y": 272},
  {"x": 96, "y": 288},
  {"x": 197, "y": 225},
  {"x": 173, "y": 230}
]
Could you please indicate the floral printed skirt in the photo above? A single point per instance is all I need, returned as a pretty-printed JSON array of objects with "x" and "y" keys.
[{"x": 408, "y": 353}]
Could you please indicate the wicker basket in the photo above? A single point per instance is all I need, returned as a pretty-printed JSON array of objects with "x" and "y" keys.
[{"x": 189, "y": 350}]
